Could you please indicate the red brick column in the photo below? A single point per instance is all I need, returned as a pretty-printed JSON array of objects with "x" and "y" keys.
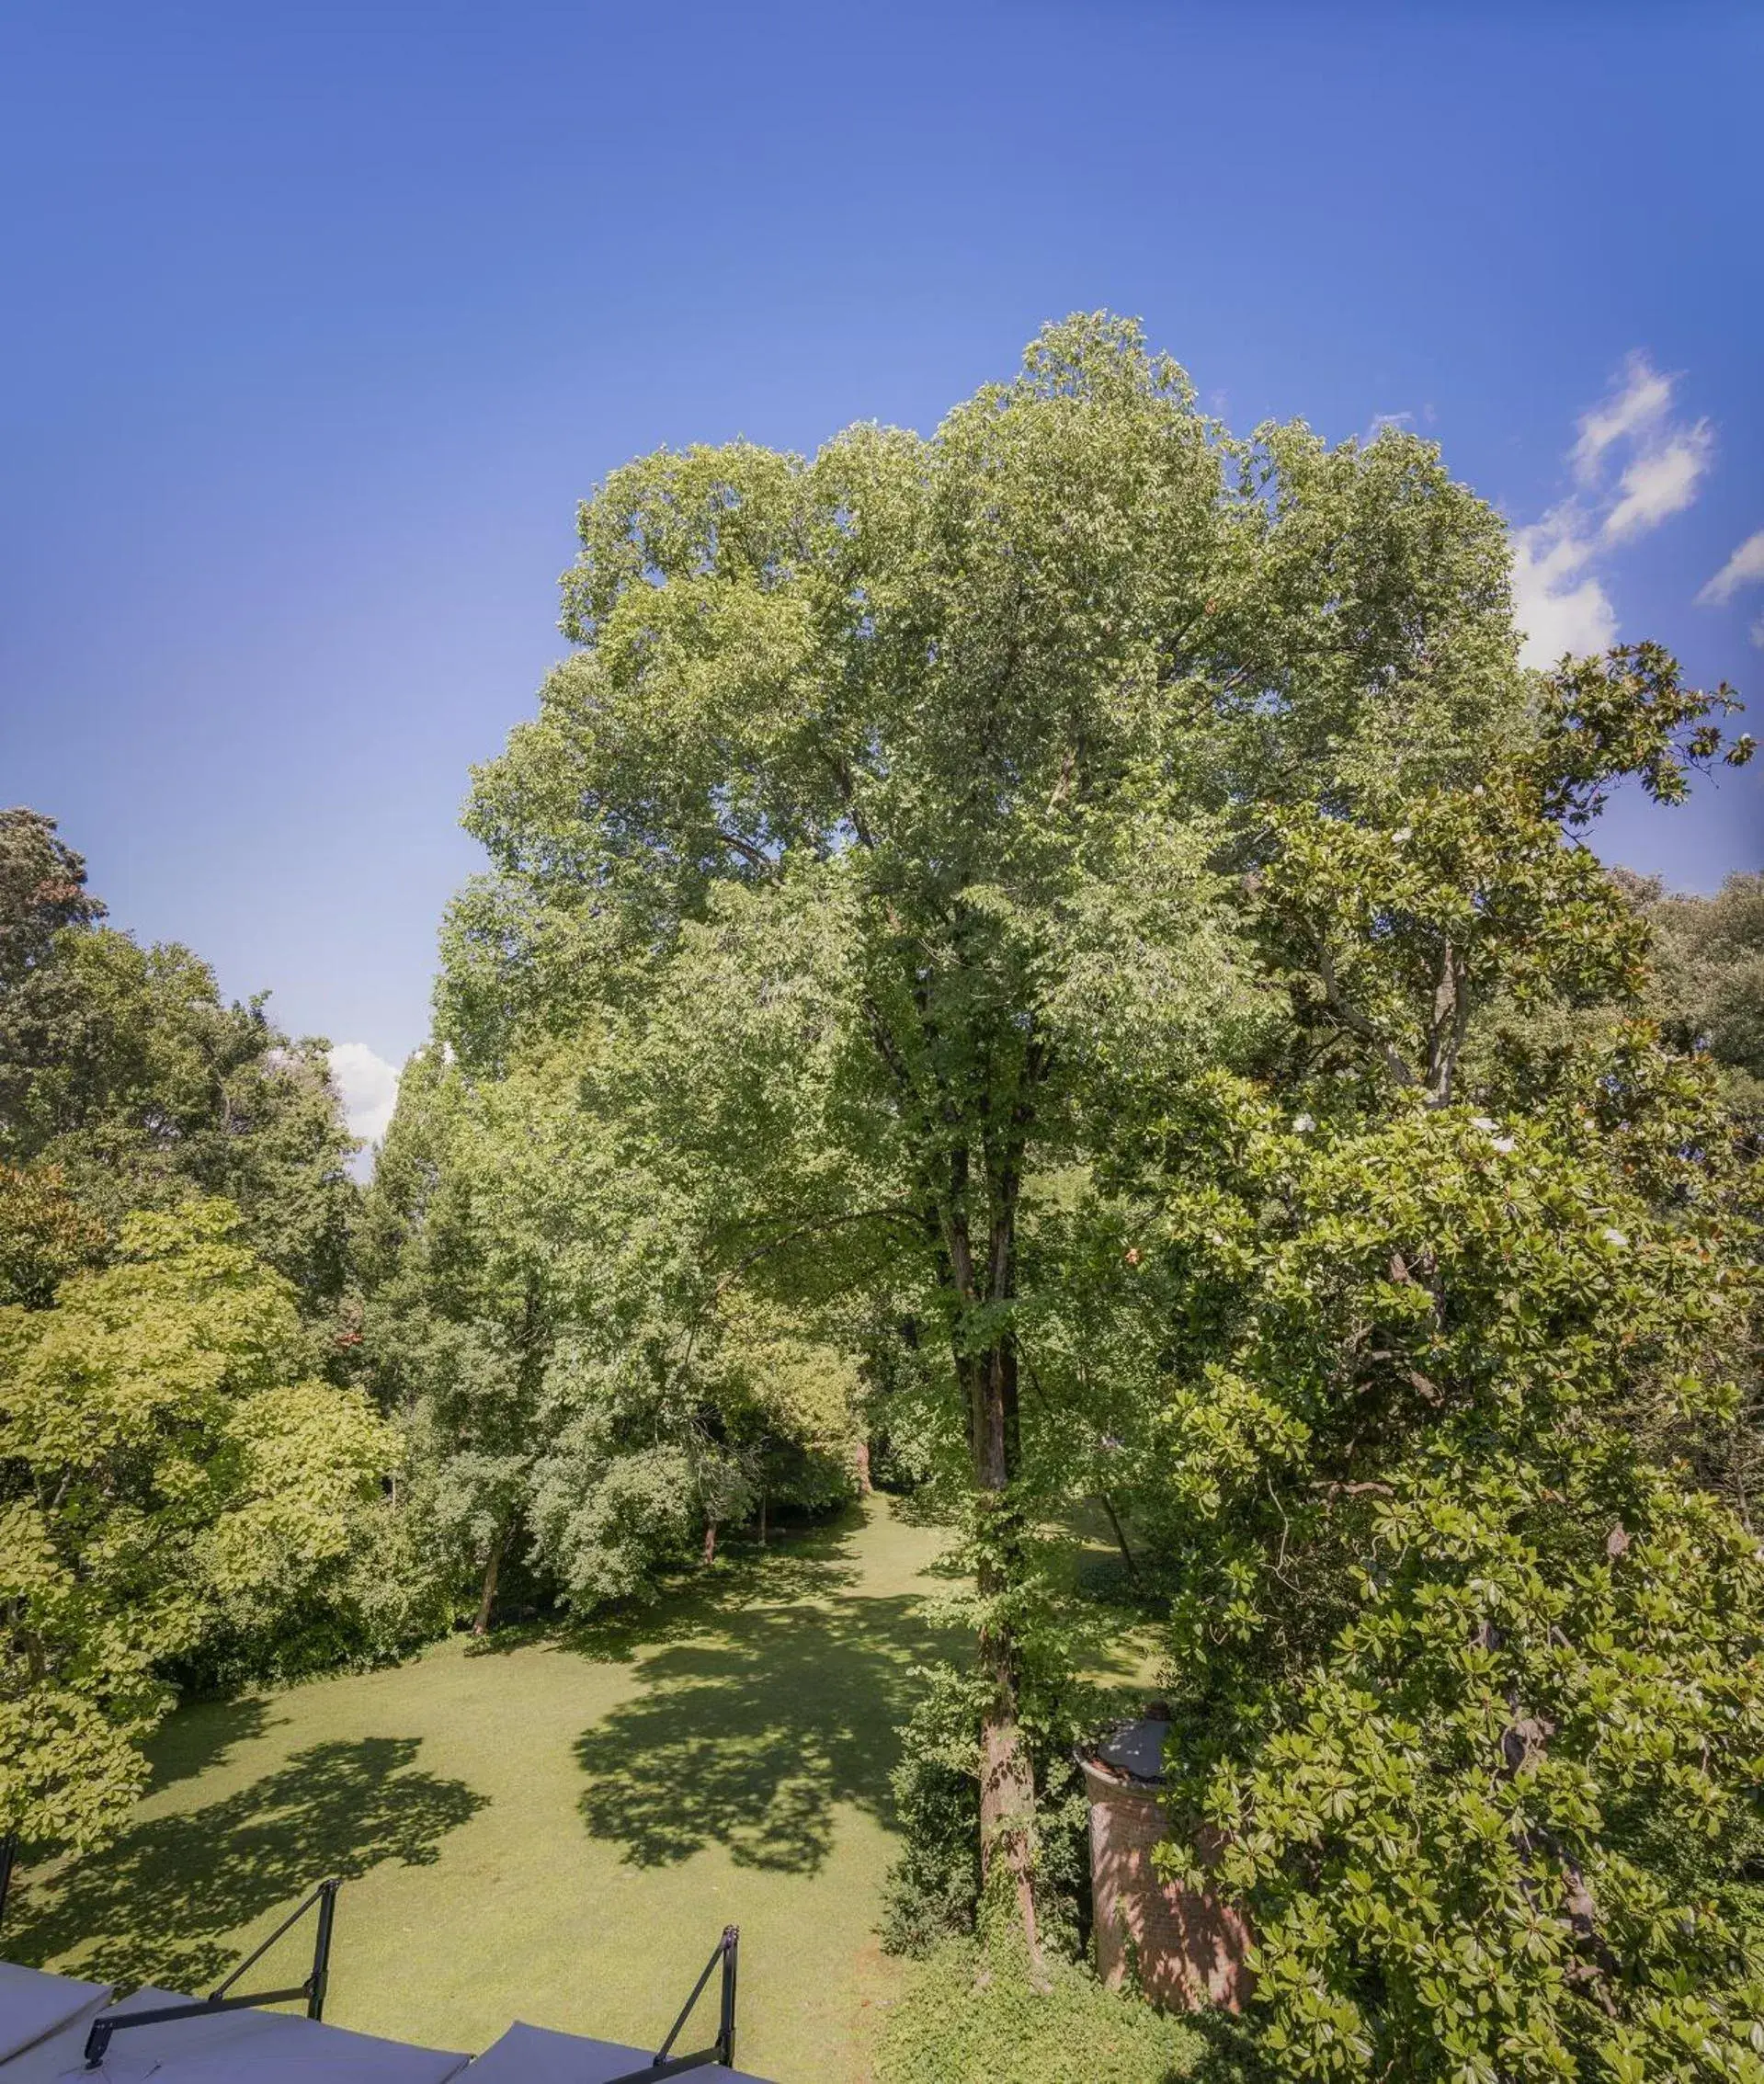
[{"x": 1185, "y": 1946}]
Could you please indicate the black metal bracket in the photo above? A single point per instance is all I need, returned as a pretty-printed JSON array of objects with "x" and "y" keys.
[
  {"x": 312, "y": 1990},
  {"x": 723, "y": 2049}
]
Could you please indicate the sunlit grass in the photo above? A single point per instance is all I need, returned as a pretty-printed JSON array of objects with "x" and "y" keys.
[{"x": 555, "y": 1828}]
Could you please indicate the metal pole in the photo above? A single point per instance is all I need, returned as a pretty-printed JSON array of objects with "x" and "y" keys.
[
  {"x": 252, "y": 1959},
  {"x": 322, "y": 1950},
  {"x": 698, "y": 1990},
  {"x": 726, "y": 2030},
  {"x": 98, "y": 2039}
]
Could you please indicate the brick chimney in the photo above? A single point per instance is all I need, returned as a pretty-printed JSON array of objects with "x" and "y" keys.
[{"x": 1184, "y": 1946}]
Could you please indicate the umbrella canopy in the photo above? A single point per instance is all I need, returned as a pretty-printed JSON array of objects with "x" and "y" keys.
[
  {"x": 247, "y": 2046},
  {"x": 295, "y": 2051},
  {"x": 529, "y": 2055},
  {"x": 34, "y": 2004}
]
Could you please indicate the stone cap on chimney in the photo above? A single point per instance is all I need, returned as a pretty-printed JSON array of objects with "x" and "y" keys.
[{"x": 1133, "y": 1751}]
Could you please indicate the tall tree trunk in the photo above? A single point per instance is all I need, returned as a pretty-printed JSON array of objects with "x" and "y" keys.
[
  {"x": 487, "y": 1597},
  {"x": 762, "y": 1518},
  {"x": 1120, "y": 1539},
  {"x": 989, "y": 1378},
  {"x": 532, "y": 1347},
  {"x": 862, "y": 1458},
  {"x": 710, "y": 1542}
]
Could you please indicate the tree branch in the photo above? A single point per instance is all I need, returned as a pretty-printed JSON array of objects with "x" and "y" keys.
[
  {"x": 841, "y": 772},
  {"x": 1448, "y": 1026},
  {"x": 1353, "y": 1019},
  {"x": 748, "y": 851},
  {"x": 811, "y": 1227}
]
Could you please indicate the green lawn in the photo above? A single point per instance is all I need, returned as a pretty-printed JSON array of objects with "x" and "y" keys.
[{"x": 553, "y": 1828}]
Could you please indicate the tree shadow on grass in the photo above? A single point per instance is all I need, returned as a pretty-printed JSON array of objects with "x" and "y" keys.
[
  {"x": 750, "y": 1739},
  {"x": 158, "y": 1906},
  {"x": 202, "y": 1735}
]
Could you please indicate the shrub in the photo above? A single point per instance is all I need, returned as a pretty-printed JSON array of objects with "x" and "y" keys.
[{"x": 976, "y": 2016}]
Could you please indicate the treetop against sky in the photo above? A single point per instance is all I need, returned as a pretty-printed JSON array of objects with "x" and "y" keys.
[{"x": 334, "y": 317}]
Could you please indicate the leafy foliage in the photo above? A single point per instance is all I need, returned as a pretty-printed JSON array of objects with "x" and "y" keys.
[
  {"x": 168, "y": 1472},
  {"x": 936, "y": 1892},
  {"x": 43, "y": 893},
  {"x": 582, "y": 1397},
  {"x": 1466, "y": 1654},
  {"x": 873, "y": 849},
  {"x": 1710, "y": 958},
  {"x": 969, "y": 2018},
  {"x": 123, "y": 1069},
  {"x": 1468, "y": 1667},
  {"x": 44, "y": 1234}
]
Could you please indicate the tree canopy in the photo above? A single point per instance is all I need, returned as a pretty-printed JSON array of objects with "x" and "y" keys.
[
  {"x": 171, "y": 1471},
  {"x": 183, "y": 1494},
  {"x": 124, "y": 1068},
  {"x": 1060, "y": 958},
  {"x": 1710, "y": 958},
  {"x": 940, "y": 869}
]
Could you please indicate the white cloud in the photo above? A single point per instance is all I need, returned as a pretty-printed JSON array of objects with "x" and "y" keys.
[
  {"x": 1558, "y": 603},
  {"x": 1744, "y": 568},
  {"x": 1380, "y": 421},
  {"x": 1660, "y": 483},
  {"x": 368, "y": 1086},
  {"x": 1560, "y": 597},
  {"x": 1641, "y": 404}
]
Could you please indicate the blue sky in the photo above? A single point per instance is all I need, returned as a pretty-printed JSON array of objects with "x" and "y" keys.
[{"x": 319, "y": 320}]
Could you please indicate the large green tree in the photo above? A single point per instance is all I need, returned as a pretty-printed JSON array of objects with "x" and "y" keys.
[
  {"x": 42, "y": 890},
  {"x": 169, "y": 1473},
  {"x": 885, "y": 808},
  {"x": 582, "y": 1396},
  {"x": 125, "y": 1068}
]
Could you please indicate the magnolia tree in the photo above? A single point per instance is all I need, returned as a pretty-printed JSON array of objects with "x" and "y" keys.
[
  {"x": 887, "y": 812},
  {"x": 1429, "y": 1408}
]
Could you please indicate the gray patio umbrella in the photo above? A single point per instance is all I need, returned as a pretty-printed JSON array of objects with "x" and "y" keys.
[
  {"x": 528, "y": 2054},
  {"x": 228, "y": 2047},
  {"x": 34, "y": 2004}
]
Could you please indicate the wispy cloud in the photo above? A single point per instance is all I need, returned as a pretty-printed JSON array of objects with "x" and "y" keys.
[
  {"x": 368, "y": 1087},
  {"x": 1744, "y": 568},
  {"x": 1661, "y": 482},
  {"x": 1411, "y": 421},
  {"x": 1637, "y": 465},
  {"x": 1639, "y": 404}
]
